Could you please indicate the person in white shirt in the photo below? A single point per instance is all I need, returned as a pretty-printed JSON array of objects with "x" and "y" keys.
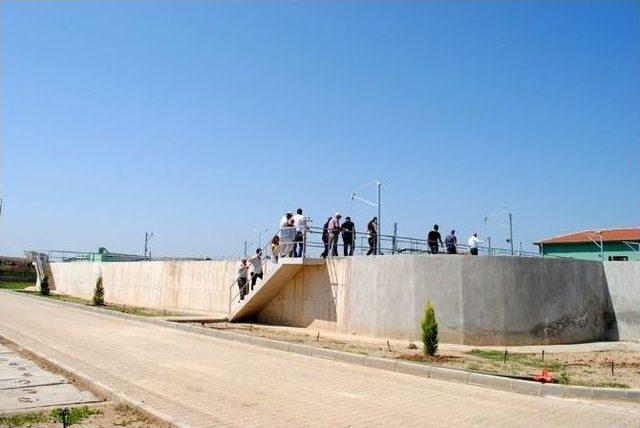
[
  {"x": 473, "y": 244},
  {"x": 256, "y": 265},
  {"x": 300, "y": 223},
  {"x": 334, "y": 232},
  {"x": 285, "y": 219},
  {"x": 287, "y": 235}
]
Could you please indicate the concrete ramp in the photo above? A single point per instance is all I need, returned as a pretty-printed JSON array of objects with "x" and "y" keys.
[{"x": 276, "y": 277}]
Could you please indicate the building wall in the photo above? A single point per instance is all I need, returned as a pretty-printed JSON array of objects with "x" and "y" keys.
[{"x": 590, "y": 251}]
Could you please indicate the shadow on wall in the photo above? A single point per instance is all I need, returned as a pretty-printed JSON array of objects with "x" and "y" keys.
[{"x": 308, "y": 300}]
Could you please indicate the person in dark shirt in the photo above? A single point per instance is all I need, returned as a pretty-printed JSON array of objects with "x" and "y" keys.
[
  {"x": 348, "y": 236},
  {"x": 325, "y": 238},
  {"x": 372, "y": 232},
  {"x": 433, "y": 238}
]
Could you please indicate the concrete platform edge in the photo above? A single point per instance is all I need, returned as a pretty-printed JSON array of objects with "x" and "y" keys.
[{"x": 413, "y": 369}]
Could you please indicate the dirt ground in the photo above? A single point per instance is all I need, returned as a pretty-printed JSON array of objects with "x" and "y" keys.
[
  {"x": 572, "y": 364},
  {"x": 102, "y": 415}
]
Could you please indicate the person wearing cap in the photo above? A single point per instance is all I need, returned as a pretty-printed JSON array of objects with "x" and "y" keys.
[
  {"x": 348, "y": 236},
  {"x": 334, "y": 233},
  {"x": 243, "y": 274}
]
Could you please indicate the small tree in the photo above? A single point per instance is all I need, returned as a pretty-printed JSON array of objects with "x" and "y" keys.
[
  {"x": 429, "y": 329},
  {"x": 44, "y": 286},
  {"x": 98, "y": 293}
]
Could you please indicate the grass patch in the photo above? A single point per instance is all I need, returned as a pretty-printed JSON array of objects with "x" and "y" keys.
[
  {"x": 133, "y": 310},
  {"x": 75, "y": 415},
  {"x": 611, "y": 385},
  {"x": 24, "y": 419},
  {"x": 529, "y": 360},
  {"x": 16, "y": 285}
]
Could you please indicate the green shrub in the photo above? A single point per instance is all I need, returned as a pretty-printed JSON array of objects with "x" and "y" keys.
[
  {"x": 429, "y": 329},
  {"x": 44, "y": 286},
  {"x": 98, "y": 293}
]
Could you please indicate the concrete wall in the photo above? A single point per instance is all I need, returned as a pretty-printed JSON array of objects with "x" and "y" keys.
[
  {"x": 623, "y": 282},
  {"x": 193, "y": 285},
  {"x": 478, "y": 300}
]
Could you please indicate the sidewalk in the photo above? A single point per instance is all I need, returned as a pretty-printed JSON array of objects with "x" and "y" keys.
[{"x": 203, "y": 381}]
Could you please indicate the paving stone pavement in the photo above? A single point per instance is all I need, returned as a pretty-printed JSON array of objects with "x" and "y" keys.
[{"x": 206, "y": 381}]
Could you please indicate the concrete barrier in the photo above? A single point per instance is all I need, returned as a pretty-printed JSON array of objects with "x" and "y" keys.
[
  {"x": 478, "y": 300},
  {"x": 623, "y": 283}
]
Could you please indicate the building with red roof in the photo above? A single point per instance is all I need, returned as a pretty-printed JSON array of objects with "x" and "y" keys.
[{"x": 619, "y": 244}]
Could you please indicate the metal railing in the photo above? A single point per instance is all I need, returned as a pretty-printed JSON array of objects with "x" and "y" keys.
[{"x": 265, "y": 264}]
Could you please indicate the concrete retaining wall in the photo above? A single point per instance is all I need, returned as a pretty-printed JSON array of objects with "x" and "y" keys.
[
  {"x": 623, "y": 282},
  {"x": 193, "y": 285},
  {"x": 478, "y": 300}
]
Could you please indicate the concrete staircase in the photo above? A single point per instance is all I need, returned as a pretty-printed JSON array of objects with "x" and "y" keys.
[{"x": 276, "y": 276}]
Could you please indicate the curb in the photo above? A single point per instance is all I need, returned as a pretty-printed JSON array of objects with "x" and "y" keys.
[
  {"x": 97, "y": 388},
  {"x": 423, "y": 370}
]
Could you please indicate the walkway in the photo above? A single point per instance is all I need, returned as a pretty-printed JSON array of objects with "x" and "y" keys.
[{"x": 204, "y": 381}]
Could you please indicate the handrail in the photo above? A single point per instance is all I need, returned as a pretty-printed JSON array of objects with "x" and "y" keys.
[{"x": 264, "y": 265}]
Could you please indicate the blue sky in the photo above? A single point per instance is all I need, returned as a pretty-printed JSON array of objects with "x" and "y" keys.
[{"x": 202, "y": 121}]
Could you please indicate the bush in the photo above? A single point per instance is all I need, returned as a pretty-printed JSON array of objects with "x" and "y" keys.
[
  {"x": 98, "y": 293},
  {"x": 429, "y": 329},
  {"x": 44, "y": 286}
]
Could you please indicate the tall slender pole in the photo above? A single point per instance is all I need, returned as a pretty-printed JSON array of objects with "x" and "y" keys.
[
  {"x": 146, "y": 239},
  {"x": 511, "y": 233},
  {"x": 394, "y": 243},
  {"x": 379, "y": 220}
]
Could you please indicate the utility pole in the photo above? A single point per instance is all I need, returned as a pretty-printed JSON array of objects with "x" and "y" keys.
[
  {"x": 147, "y": 238},
  {"x": 379, "y": 184},
  {"x": 511, "y": 232}
]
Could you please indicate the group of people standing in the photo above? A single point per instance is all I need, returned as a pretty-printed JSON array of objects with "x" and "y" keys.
[
  {"x": 434, "y": 241},
  {"x": 291, "y": 242},
  {"x": 332, "y": 229}
]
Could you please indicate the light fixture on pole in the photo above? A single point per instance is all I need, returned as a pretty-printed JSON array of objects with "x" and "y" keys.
[
  {"x": 509, "y": 214},
  {"x": 376, "y": 204},
  {"x": 259, "y": 233},
  {"x": 597, "y": 234}
]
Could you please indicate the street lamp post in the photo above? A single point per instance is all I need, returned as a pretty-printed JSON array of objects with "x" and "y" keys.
[
  {"x": 377, "y": 205},
  {"x": 510, "y": 216},
  {"x": 259, "y": 236}
]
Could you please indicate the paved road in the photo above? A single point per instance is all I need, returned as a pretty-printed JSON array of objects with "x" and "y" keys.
[{"x": 204, "y": 381}]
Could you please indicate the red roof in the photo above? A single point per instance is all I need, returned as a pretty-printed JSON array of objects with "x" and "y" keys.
[{"x": 608, "y": 235}]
